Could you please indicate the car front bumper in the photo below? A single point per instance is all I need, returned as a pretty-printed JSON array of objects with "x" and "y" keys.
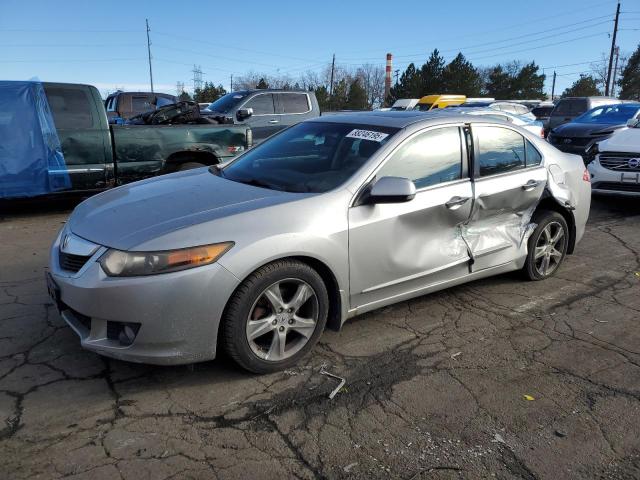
[
  {"x": 611, "y": 182},
  {"x": 176, "y": 315}
]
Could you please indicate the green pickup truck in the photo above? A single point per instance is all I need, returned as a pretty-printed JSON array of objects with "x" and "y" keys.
[{"x": 99, "y": 156}]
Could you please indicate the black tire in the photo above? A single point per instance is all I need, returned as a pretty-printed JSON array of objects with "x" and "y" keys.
[
  {"x": 545, "y": 218},
  {"x": 236, "y": 315},
  {"x": 189, "y": 166}
]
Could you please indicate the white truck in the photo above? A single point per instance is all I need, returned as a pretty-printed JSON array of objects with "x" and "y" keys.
[{"x": 616, "y": 167}]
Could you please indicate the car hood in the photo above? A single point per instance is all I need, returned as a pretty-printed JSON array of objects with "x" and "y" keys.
[
  {"x": 627, "y": 140},
  {"x": 574, "y": 129},
  {"x": 133, "y": 214}
]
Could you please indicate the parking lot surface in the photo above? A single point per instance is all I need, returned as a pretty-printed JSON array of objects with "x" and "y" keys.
[{"x": 500, "y": 378}]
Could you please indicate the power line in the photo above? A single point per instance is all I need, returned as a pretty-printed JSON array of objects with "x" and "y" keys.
[
  {"x": 74, "y": 60},
  {"x": 473, "y": 47},
  {"x": 232, "y": 47},
  {"x": 517, "y": 24},
  {"x": 544, "y": 46}
]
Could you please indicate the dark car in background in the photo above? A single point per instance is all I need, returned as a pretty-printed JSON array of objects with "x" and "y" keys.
[
  {"x": 542, "y": 112},
  {"x": 122, "y": 106},
  {"x": 265, "y": 111},
  {"x": 571, "y": 107},
  {"x": 596, "y": 124}
]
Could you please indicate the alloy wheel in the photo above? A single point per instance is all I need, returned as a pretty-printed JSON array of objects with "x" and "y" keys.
[
  {"x": 282, "y": 319},
  {"x": 549, "y": 249}
]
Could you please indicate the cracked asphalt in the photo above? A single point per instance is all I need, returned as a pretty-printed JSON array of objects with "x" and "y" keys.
[{"x": 499, "y": 378}]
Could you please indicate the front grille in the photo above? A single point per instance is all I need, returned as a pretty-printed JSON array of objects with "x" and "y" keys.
[
  {"x": 72, "y": 263},
  {"x": 575, "y": 141},
  {"x": 617, "y": 187},
  {"x": 619, "y": 162}
]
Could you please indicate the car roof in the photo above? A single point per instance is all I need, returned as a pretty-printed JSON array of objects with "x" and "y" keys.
[{"x": 390, "y": 118}]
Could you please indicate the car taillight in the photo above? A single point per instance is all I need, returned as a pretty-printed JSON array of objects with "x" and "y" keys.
[
  {"x": 542, "y": 133},
  {"x": 586, "y": 176}
]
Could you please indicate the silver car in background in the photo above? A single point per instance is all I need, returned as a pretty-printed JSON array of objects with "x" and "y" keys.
[{"x": 326, "y": 220}]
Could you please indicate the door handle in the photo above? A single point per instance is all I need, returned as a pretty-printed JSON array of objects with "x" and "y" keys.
[
  {"x": 274, "y": 121},
  {"x": 456, "y": 202},
  {"x": 530, "y": 185}
]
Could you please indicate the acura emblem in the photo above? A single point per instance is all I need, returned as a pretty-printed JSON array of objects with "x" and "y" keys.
[
  {"x": 65, "y": 241},
  {"x": 634, "y": 162},
  {"x": 567, "y": 140}
]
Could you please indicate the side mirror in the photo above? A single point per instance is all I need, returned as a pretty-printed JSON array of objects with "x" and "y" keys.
[
  {"x": 392, "y": 190},
  {"x": 244, "y": 113},
  {"x": 633, "y": 122}
]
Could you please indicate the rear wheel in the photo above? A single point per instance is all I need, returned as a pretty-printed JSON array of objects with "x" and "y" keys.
[
  {"x": 275, "y": 317},
  {"x": 547, "y": 245}
]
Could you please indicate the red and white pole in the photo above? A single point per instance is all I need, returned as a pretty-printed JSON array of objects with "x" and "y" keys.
[{"x": 387, "y": 76}]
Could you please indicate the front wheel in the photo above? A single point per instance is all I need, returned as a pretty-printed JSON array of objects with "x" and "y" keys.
[
  {"x": 275, "y": 317},
  {"x": 547, "y": 245}
]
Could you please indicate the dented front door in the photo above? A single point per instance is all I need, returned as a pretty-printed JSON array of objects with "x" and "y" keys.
[{"x": 404, "y": 247}]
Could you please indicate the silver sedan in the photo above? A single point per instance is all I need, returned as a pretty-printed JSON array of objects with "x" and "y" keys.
[{"x": 328, "y": 219}]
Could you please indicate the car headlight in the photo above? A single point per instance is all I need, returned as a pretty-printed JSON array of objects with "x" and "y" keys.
[{"x": 117, "y": 263}]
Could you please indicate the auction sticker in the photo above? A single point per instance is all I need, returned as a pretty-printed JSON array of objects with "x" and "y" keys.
[{"x": 367, "y": 135}]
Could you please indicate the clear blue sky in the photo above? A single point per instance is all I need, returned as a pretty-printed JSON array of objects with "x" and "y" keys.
[{"x": 104, "y": 43}]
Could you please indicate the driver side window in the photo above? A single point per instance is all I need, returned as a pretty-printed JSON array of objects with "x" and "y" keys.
[{"x": 428, "y": 158}]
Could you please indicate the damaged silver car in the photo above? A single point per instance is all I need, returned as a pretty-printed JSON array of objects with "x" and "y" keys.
[{"x": 326, "y": 220}]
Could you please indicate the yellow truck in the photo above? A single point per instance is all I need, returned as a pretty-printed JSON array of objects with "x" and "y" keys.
[{"x": 431, "y": 102}]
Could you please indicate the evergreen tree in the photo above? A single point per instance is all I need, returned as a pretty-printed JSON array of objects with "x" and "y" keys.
[
  {"x": 630, "y": 80},
  {"x": 322, "y": 95},
  {"x": 262, "y": 84},
  {"x": 338, "y": 100},
  {"x": 431, "y": 75},
  {"x": 499, "y": 84},
  {"x": 357, "y": 97},
  {"x": 585, "y": 86},
  {"x": 184, "y": 96},
  {"x": 528, "y": 84},
  {"x": 208, "y": 93},
  {"x": 407, "y": 87},
  {"x": 461, "y": 77}
]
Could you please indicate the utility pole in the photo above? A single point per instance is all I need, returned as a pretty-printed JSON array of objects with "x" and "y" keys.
[
  {"x": 231, "y": 86},
  {"x": 613, "y": 46},
  {"x": 615, "y": 71},
  {"x": 396, "y": 73},
  {"x": 333, "y": 67},
  {"x": 553, "y": 86},
  {"x": 149, "y": 52}
]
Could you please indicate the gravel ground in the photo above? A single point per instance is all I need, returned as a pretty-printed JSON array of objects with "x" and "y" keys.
[{"x": 499, "y": 378}]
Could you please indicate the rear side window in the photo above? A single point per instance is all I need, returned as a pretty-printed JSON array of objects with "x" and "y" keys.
[
  {"x": 262, "y": 104},
  {"x": 533, "y": 155},
  {"x": 293, "y": 102},
  {"x": 571, "y": 107},
  {"x": 141, "y": 104},
  {"x": 71, "y": 107},
  {"x": 427, "y": 159},
  {"x": 500, "y": 150}
]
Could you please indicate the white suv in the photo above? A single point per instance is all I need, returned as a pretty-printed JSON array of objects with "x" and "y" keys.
[{"x": 616, "y": 168}]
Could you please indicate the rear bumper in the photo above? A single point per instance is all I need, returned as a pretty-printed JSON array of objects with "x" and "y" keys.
[{"x": 176, "y": 315}]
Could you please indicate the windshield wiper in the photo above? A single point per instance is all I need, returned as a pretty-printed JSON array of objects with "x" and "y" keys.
[{"x": 259, "y": 183}]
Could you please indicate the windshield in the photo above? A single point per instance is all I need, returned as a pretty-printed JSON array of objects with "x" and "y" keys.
[
  {"x": 476, "y": 104},
  {"x": 309, "y": 157},
  {"x": 609, "y": 114},
  {"x": 227, "y": 102}
]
